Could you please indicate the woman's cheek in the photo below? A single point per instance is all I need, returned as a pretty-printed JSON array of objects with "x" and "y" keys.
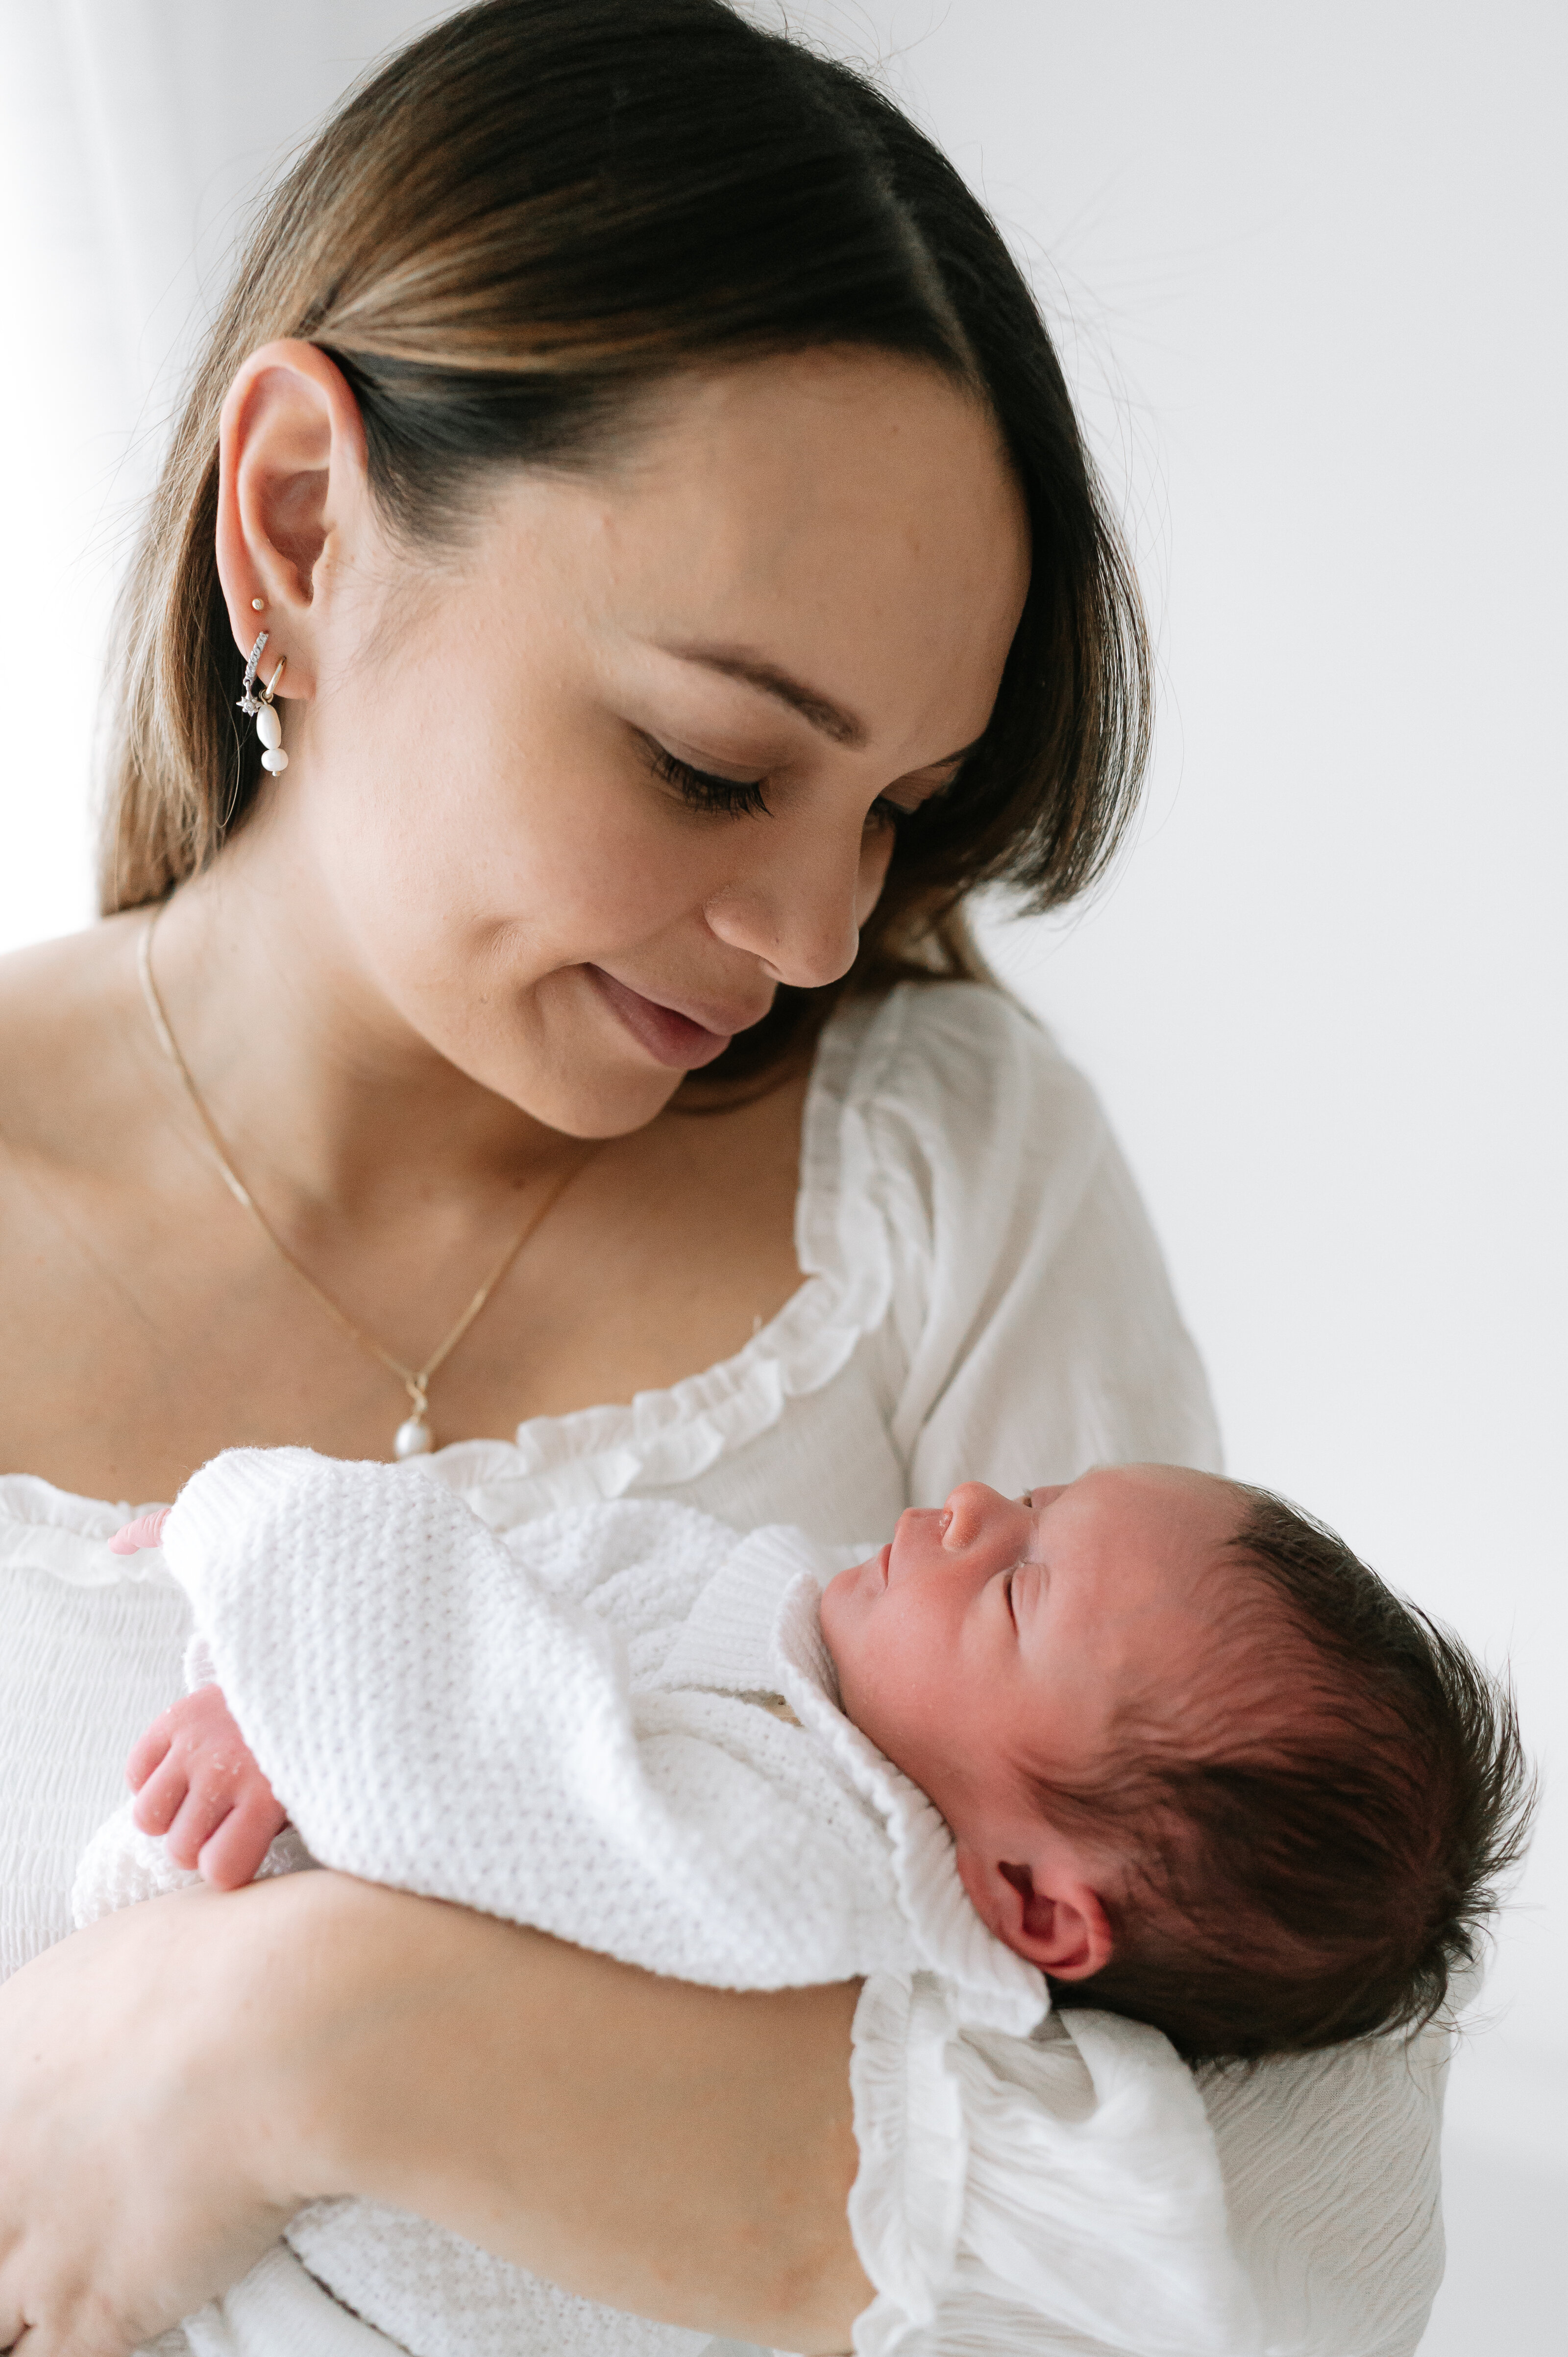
[{"x": 577, "y": 874}]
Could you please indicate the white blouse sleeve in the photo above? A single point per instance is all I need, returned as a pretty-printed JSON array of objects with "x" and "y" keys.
[
  {"x": 1016, "y": 2195},
  {"x": 1083, "y": 2194},
  {"x": 1039, "y": 1333}
]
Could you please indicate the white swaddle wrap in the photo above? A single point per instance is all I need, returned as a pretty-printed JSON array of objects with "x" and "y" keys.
[{"x": 562, "y": 1729}]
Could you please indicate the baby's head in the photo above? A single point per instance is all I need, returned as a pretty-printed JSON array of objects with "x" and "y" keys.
[{"x": 1200, "y": 1765}]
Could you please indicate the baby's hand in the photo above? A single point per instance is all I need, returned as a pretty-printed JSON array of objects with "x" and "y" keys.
[
  {"x": 146, "y": 1531},
  {"x": 197, "y": 1784}
]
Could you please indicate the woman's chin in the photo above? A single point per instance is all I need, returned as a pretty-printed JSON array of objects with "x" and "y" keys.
[
  {"x": 564, "y": 1061},
  {"x": 595, "y": 1106}
]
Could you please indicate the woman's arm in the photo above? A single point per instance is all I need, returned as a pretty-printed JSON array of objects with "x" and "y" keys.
[{"x": 177, "y": 2081}]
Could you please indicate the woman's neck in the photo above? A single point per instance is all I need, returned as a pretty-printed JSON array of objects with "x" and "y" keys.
[{"x": 313, "y": 1079}]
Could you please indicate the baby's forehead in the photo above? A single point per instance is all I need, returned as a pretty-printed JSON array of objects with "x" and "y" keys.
[
  {"x": 1177, "y": 1485},
  {"x": 1190, "y": 1517},
  {"x": 1173, "y": 1542}
]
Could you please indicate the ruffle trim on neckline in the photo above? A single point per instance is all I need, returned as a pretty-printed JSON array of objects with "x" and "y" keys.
[
  {"x": 992, "y": 1987},
  {"x": 663, "y": 1437},
  {"x": 46, "y": 1529}
]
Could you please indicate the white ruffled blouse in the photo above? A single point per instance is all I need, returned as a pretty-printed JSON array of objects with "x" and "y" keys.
[{"x": 982, "y": 1298}]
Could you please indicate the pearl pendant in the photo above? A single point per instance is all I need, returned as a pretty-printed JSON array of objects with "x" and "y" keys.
[
  {"x": 275, "y": 761},
  {"x": 412, "y": 1439},
  {"x": 269, "y": 728}
]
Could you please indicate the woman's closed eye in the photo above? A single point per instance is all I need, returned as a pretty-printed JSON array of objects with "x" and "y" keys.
[
  {"x": 914, "y": 794},
  {"x": 702, "y": 790}
]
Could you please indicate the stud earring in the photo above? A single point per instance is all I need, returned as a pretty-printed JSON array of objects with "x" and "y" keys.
[
  {"x": 258, "y": 605},
  {"x": 258, "y": 703}
]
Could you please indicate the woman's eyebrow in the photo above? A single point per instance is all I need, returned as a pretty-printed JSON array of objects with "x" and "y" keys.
[
  {"x": 736, "y": 663},
  {"x": 830, "y": 718}
]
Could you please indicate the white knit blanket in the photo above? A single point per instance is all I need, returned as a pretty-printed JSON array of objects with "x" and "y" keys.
[{"x": 563, "y": 1728}]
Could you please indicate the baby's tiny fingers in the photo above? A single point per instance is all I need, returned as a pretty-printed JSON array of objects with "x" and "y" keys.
[
  {"x": 148, "y": 1752},
  {"x": 162, "y": 1795},
  {"x": 231, "y": 1856},
  {"x": 204, "y": 1809},
  {"x": 146, "y": 1531}
]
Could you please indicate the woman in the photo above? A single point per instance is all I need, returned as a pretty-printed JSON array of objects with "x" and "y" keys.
[{"x": 657, "y": 488}]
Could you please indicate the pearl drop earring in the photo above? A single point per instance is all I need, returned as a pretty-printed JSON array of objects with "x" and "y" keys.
[{"x": 259, "y": 704}]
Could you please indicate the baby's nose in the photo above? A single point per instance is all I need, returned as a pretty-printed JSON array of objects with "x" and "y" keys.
[{"x": 968, "y": 1510}]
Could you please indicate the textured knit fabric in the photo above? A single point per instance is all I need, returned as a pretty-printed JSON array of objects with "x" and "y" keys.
[
  {"x": 982, "y": 1299},
  {"x": 556, "y": 1731}
]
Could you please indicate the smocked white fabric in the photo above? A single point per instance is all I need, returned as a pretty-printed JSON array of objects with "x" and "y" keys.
[{"x": 982, "y": 1298}]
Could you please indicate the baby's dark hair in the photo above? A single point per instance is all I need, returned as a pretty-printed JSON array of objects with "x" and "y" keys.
[{"x": 1320, "y": 1880}]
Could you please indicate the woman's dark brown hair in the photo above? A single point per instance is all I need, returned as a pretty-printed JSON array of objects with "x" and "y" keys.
[{"x": 528, "y": 217}]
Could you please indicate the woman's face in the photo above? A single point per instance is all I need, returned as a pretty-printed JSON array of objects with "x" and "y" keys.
[{"x": 574, "y": 801}]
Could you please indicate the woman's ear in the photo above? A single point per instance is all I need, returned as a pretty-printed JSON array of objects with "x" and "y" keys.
[
  {"x": 1043, "y": 1911},
  {"x": 292, "y": 495}
]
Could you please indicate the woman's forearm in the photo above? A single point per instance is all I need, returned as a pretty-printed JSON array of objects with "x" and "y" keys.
[
  {"x": 685, "y": 2153},
  {"x": 177, "y": 2080}
]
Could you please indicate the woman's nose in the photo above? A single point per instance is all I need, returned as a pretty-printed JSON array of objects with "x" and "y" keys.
[
  {"x": 805, "y": 955},
  {"x": 801, "y": 913}
]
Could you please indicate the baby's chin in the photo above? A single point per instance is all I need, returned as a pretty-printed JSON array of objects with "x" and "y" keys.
[{"x": 845, "y": 1601}]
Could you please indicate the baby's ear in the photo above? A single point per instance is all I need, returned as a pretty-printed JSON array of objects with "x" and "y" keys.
[{"x": 1042, "y": 1911}]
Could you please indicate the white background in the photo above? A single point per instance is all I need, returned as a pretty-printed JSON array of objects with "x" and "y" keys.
[{"x": 1306, "y": 267}]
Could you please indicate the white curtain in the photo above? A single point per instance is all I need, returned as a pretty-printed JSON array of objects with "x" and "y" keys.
[{"x": 135, "y": 137}]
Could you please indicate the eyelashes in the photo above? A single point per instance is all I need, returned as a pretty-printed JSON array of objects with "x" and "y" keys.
[
  {"x": 723, "y": 797},
  {"x": 737, "y": 797}
]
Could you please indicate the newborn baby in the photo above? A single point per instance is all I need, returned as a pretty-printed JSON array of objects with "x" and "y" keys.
[
  {"x": 1149, "y": 1740},
  {"x": 1188, "y": 1748}
]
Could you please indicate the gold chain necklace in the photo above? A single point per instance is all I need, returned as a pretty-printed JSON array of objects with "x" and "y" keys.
[{"x": 412, "y": 1438}]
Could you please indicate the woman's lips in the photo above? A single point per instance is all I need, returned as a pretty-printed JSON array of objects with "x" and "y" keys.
[{"x": 669, "y": 1038}]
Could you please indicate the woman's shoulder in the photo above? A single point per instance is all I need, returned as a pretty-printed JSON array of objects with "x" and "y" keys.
[
  {"x": 61, "y": 1004},
  {"x": 961, "y": 1074},
  {"x": 945, "y": 1130},
  {"x": 71, "y": 1088}
]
